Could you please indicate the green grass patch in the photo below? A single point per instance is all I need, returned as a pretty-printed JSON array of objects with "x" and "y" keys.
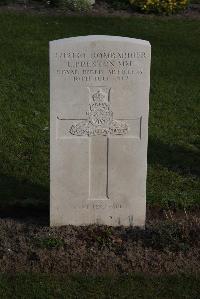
[
  {"x": 174, "y": 143},
  {"x": 131, "y": 286}
]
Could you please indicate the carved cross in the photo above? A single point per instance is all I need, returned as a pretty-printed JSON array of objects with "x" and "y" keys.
[{"x": 100, "y": 126}]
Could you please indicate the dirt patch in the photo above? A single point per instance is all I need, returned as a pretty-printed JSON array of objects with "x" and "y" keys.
[
  {"x": 168, "y": 245},
  {"x": 101, "y": 8}
]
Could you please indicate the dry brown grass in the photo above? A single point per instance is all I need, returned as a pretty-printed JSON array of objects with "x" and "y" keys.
[{"x": 168, "y": 245}]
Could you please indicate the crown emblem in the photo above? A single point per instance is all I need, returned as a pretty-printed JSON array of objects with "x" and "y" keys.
[
  {"x": 100, "y": 119},
  {"x": 98, "y": 96}
]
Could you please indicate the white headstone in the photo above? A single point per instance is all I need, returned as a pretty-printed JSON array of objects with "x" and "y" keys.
[{"x": 99, "y": 88}]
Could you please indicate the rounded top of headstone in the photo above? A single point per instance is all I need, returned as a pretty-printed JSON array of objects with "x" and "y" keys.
[{"x": 103, "y": 38}]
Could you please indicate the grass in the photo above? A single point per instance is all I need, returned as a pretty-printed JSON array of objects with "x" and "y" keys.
[
  {"x": 173, "y": 157},
  {"x": 130, "y": 286}
]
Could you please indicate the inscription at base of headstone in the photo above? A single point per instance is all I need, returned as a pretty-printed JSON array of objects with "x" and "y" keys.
[{"x": 99, "y": 88}]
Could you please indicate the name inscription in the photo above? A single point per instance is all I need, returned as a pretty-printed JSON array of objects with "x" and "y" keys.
[{"x": 99, "y": 66}]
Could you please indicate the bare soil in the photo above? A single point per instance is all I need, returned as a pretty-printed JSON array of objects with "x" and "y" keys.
[
  {"x": 170, "y": 244},
  {"x": 101, "y": 8}
]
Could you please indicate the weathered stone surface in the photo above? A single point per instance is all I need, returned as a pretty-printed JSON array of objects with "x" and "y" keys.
[{"x": 99, "y": 88}]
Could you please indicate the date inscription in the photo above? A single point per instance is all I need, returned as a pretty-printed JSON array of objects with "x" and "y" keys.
[{"x": 99, "y": 206}]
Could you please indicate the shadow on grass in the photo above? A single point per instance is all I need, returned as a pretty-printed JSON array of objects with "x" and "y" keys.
[
  {"x": 23, "y": 199},
  {"x": 180, "y": 159}
]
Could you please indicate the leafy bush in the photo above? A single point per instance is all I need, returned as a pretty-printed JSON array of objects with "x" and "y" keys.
[
  {"x": 76, "y": 5},
  {"x": 160, "y": 6},
  {"x": 53, "y": 3}
]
